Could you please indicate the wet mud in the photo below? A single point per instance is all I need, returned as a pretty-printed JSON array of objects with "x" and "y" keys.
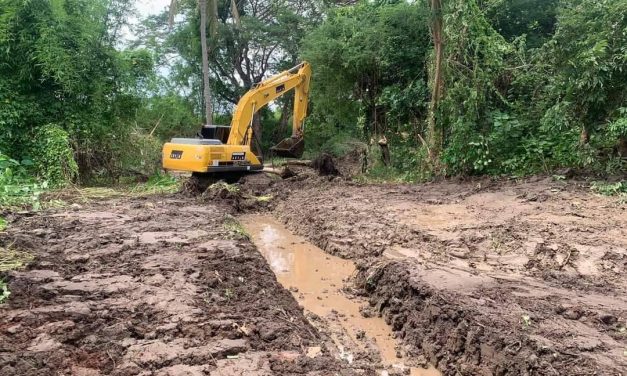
[
  {"x": 160, "y": 286},
  {"x": 318, "y": 280},
  {"x": 482, "y": 277},
  {"x": 476, "y": 278}
]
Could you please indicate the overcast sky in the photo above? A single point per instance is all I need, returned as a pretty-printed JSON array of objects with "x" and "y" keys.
[
  {"x": 144, "y": 8},
  {"x": 148, "y": 7}
]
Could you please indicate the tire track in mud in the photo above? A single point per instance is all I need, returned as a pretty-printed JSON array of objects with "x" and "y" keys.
[
  {"x": 156, "y": 286},
  {"x": 494, "y": 278}
]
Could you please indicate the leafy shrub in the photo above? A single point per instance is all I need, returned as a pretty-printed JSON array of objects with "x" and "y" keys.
[
  {"x": 369, "y": 72},
  {"x": 17, "y": 189},
  {"x": 158, "y": 183},
  {"x": 140, "y": 154},
  {"x": 610, "y": 189},
  {"x": 53, "y": 156}
]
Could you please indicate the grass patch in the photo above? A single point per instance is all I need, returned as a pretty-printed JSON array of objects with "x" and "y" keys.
[
  {"x": 383, "y": 174},
  {"x": 266, "y": 198},
  {"x": 610, "y": 189},
  {"x": 234, "y": 227},
  {"x": 3, "y": 224},
  {"x": 11, "y": 259},
  {"x": 157, "y": 184}
]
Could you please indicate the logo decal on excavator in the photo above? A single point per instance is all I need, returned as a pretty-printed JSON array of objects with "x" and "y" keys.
[
  {"x": 176, "y": 154},
  {"x": 238, "y": 156}
]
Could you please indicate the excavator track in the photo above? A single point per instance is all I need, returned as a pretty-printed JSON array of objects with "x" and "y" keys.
[{"x": 199, "y": 182}]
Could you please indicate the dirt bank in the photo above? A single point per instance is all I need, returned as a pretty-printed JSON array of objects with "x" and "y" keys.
[
  {"x": 483, "y": 277},
  {"x": 163, "y": 286}
]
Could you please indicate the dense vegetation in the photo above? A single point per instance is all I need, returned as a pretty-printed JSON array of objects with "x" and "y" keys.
[
  {"x": 522, "y": 86},
  {"x": 528, "y": 85}
]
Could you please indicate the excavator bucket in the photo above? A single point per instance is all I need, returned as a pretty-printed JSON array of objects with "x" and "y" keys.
[{"x": 291, "y": 147}]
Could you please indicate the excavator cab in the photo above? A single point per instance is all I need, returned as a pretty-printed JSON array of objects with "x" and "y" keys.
[{"x": 215, "y": 132}]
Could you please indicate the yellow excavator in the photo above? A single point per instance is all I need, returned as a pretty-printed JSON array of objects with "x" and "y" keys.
[{"x": 220, "y": 151}]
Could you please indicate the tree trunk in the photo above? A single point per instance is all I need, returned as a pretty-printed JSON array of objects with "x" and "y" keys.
[
  {"x": 281, "y": 130},
  {"x": 584, "y": 137},
  {"x": 235, "y": 13},
  {"x": 205, "y": 61},
  {"x": 434, "y": 135},
  {"x": 386, "y": 158}
]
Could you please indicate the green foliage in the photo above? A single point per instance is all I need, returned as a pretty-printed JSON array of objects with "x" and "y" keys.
[
  {"x": 17, "y": 189},
  {"x": 369, "y": 73},
  {"x": 476, "y": 59},
  {"x": 167, "y": 115},
  {"x": 3, "y": 224},
  {"x": 63, "y": 83},
  {"x": 610, "y": 189},
  {"x": 4, "y": 291},
  {"x": 158, "y": 184},
  {"x": 617, "y": 128},
  {"x": 339, "y": 145},
  {"x": 140, "y": 154},
  {"x": 529, "y": 85},
  {"x": 55, "y": 161},
  {"x": 532, "y": 19}
]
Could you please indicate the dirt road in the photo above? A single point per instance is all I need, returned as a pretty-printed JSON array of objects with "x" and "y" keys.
[{"x": 476, "y": 278}]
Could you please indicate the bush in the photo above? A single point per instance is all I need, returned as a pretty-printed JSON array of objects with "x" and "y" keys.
[
  {"x": 140, "y": 154},
  {"x": 53, "y": 156},
  {"x": 17, "y": 189}
]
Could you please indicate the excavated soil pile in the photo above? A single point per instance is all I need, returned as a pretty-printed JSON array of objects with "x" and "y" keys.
[
  {"x": 482, "y": 277},
  {"x": 325, "y": 165},
  {"x": 148, "y": 286}
]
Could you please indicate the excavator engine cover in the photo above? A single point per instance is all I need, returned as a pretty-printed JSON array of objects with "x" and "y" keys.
[{"x": 291, "y": 147}]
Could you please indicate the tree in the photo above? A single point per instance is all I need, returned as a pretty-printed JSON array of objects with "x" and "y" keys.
[
  {"x": 250, "y": 40},
  {"x": 370, "y": 76},
  {"x": 437, "y": 32},
  {"x": 62, "y": 76},
  {"x": 203, "y": 10},
  {"x": 205, "y": 58}
]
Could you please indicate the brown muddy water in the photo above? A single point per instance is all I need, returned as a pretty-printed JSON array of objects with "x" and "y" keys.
[{"x": 315, "y": 279}]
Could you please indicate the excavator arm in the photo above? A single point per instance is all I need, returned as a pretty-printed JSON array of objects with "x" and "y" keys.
[{"x": 260, "y": 95}]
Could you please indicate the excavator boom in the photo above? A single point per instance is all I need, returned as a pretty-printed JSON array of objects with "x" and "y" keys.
[{"x": 211, "y": 154}]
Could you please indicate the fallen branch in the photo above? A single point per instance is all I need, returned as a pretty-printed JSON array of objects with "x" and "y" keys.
[{"x": 300, "y": 162}]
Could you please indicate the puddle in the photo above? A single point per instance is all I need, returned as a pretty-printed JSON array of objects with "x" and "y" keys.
[{"x": 315, "y": 279}]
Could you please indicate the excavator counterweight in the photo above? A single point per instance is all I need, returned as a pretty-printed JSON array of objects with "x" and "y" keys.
[{"x": 216, "y": 152}]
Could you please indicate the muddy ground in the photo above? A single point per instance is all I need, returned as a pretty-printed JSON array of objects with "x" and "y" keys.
[
  {"x": 482, "y": 277},
  {"x": 149, "y": 286},
  {"x": 477, "y": 278}
]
